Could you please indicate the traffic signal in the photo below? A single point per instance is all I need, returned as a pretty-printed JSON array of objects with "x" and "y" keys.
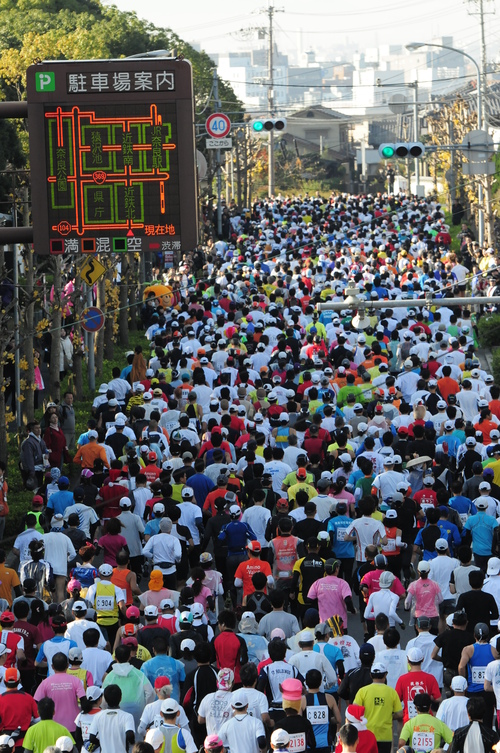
[
  {"x": 264, "y": 125},
  {"x": 394, "y": 151}
]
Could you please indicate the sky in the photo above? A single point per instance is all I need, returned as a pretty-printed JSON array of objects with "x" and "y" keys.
[{"x": 326, "y": 26}]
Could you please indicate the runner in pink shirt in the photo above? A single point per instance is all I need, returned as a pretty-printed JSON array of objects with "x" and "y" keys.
[
  {"x": 65, "y": 690},
  {"x": 371, "y": 579},
  {"x": 424, "y": 594},
  {"x": 333, "y": 594}
]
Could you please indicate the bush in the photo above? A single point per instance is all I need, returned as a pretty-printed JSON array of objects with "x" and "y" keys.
[
  {"x": 489, "y": 330},
  {"x": 495, "y": 367}
]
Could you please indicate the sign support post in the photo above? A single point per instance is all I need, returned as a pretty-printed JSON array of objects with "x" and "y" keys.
[
  {"x": 90, "y": 343},
  {"x": 217, "y": 160}
]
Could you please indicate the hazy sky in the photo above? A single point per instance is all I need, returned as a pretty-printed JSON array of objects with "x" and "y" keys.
[{"x": 324, "y": 25}]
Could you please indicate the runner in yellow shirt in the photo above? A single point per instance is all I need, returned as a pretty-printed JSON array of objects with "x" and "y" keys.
[{"x": 382, "y": 705}]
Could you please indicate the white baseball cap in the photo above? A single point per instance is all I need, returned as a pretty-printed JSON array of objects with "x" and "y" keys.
[
  {"x": 459, "y": 684},
  {"x": 441, "y": 545},
  {"x": 415, "y": 655}
]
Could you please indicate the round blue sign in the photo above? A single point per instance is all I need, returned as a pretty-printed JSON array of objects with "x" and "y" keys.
[{"x": 92, "y": 319}]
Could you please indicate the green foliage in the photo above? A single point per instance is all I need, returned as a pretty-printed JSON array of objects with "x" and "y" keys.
[
  {"x": 19, "y": 499},
  {"x": 496, "y": 177},
  {"x": 489, "y": 331},
  {"x": 32, "y": 30},
  {"x": 454, "y": 230},
  {"x": 86, "y": 29},
  {"x": 496, "y": 365}
]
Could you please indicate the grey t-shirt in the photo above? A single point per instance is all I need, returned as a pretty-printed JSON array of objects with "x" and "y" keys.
[{"x": 287, "y": 622}]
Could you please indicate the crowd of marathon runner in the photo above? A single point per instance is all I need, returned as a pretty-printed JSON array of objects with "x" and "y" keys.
[{"x": 259, "y": 481}]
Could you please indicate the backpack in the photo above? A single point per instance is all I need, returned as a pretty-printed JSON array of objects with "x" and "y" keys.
[
  {"x": 260, "y": 605},
  {"x": 202, "y": 630}
]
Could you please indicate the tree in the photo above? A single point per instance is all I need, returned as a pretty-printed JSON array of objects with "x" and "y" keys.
[
  {"x": 79, "y": 29},
  {"x": 451, "y": 122}
]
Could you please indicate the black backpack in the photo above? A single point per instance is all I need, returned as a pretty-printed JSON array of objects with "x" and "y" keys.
[
  {"x": 259, "y": 604},
  {"x": 202, "y": 630}
]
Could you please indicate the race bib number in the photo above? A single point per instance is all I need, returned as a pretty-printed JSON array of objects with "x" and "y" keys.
[
  {"x": 317, "y": 714},
  {"x": 104, "y": 602},
  {"x": 422, "y": 741},
  {"x": 426, "y": 506},
  {"x": 85, "y": 728},
  {"x": 284, "y": 575},
  {"x": 297, "y": 742},
  {"x": 412, "y": 711},
  {"x": 341, "y": 534},
  {"x": 478, "y": 674},
  {"x": 463, "y": 517},
  {"x": 391, "y": 545}
]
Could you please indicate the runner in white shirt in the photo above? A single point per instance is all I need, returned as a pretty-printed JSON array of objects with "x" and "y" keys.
[
  {"x": 79, "y": 625},
  {"x": 350, "y": 650},
  {"x": 387, "y": 482},
  {"x": 365, "y": 531},
  {"x": 113, "y": 729},
  {"x": 307, "y": 659},
  {"x": 278, "y": 470},
  {"x": 257, "y": 517},
  {"x": 97, "y": 661},
  {"x": 215, "y": 708},
  {"x": 22, "y": 544},
  {"x": 242, "y": 733},
  {"x": 492, "y": 583},
  {"x": 453, "y": 711},
  {"x": 492, "y": 680},
  {"x": 442, "y": 567}
]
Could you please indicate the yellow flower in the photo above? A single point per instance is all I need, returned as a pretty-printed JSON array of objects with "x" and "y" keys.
[{"x": 42, "y": 324}]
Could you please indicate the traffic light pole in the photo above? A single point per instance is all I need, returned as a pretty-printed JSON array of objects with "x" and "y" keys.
[{"x": 415, "y": 135}]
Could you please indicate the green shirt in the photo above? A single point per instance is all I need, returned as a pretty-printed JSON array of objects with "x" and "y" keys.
[
  {"x": 380, "y": 702},
  {"x": 365, "y": 484},
  {"x": 44, "y": 734},
  {"x": 350, "y": 389},
  {"x": 424, "y": 732}
]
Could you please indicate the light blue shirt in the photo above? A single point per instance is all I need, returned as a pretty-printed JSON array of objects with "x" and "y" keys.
[
  {"x": 163, "y": 665},
  {"x": 481, "y": 525}
]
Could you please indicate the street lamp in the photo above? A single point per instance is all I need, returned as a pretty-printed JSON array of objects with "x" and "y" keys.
[{"x": 416, "y": 46}]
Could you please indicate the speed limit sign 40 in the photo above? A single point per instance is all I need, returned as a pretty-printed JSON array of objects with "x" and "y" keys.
[{"x": 218, "y": 125}]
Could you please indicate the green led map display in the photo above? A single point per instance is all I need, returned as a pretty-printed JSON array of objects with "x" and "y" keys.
[{"x": 117, "y": 171}]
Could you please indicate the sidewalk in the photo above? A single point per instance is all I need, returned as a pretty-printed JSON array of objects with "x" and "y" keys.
[{"x": 485, "y": 356}]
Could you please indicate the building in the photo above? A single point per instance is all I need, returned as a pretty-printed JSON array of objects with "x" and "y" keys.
[{"x": 319, "y": 130}]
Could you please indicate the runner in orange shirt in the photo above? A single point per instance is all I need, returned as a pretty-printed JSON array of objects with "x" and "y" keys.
[
  {"x": 254, "y": 564},
  {"x": 87, "y": 453}
]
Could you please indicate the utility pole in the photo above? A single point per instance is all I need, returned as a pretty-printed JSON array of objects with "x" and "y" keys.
[
  {"x": 270, "y": 103},
  {"x": 486, "y": 210},
  {"x": 451, "y": 182},
  {"x": 217, "y": 105},
  {"x": 271, "y": 10},
  {"x": 15, "y": 278}
]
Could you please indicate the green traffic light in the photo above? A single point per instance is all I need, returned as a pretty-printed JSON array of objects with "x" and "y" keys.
[
  {"x": 388, "y": 152},
  {"x": 258, "y": 126}
]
